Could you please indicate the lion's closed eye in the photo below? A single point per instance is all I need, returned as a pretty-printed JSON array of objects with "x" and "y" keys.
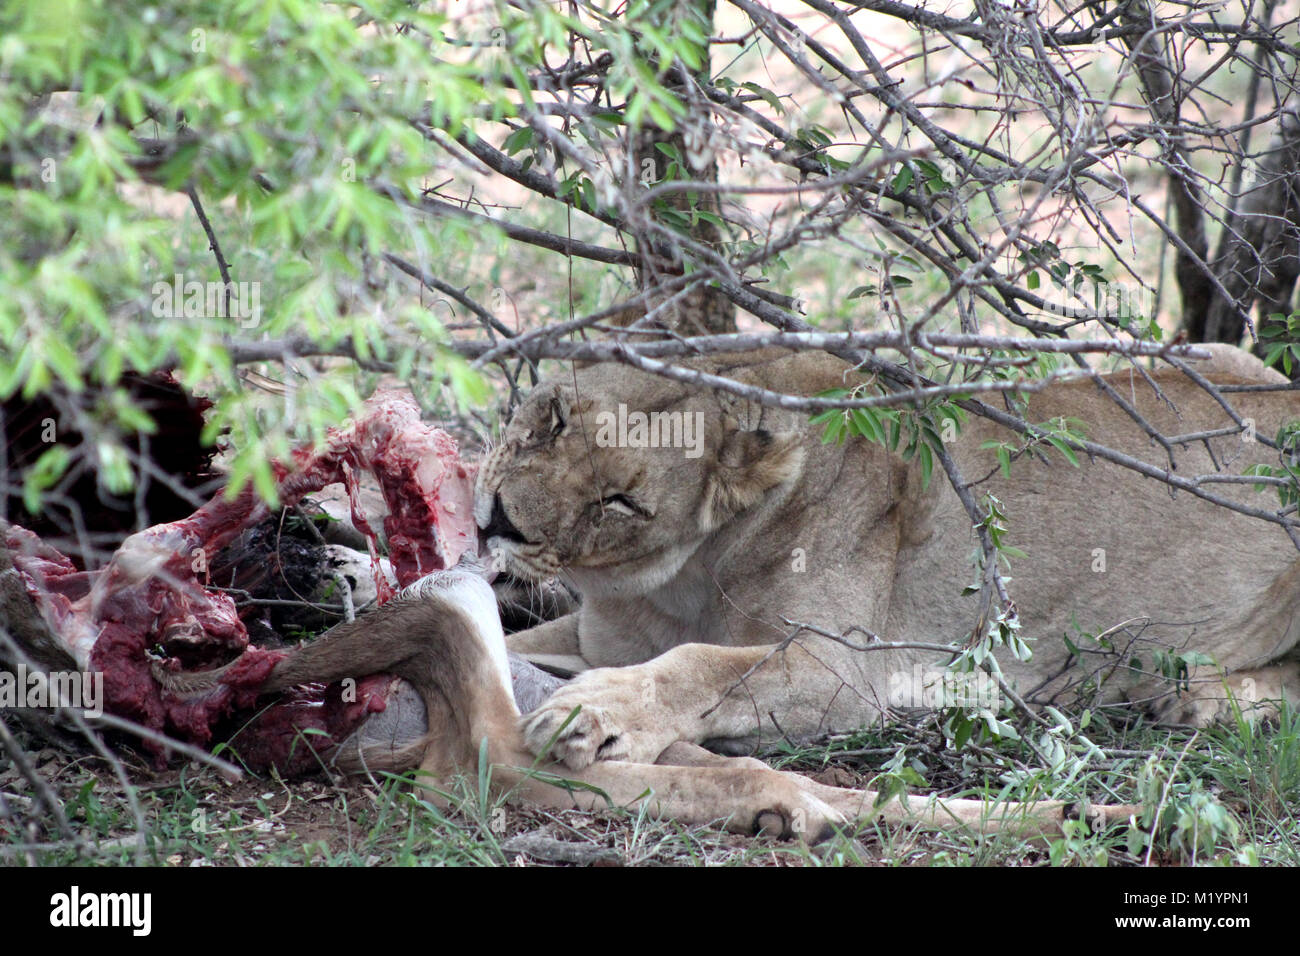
[{"x": 624, "y": 505}]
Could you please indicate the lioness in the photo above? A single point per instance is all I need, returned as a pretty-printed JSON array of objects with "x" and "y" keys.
[{"x": 695, "y": 562}]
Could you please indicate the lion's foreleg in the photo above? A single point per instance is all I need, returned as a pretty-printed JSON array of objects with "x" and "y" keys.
[{"x": 552, "y": 646}]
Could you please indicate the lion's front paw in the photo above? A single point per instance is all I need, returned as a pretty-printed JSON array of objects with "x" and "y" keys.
[{"x": 619, "y": 719}]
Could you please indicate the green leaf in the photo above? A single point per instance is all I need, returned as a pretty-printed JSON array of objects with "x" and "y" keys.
[
  {"x": 1060, "y": 445},
  {"x": 63, "y": 361},
  {"x": 659, "y": 113},
  {"x": 519, "y": 139},
  {"x": 964, "y": 730},
  {"x": 866, "y": 425},
  {"x": 43, "y": 474},
  {"x": 902, "y": 180},
  {"x": 768, "y": 96}
]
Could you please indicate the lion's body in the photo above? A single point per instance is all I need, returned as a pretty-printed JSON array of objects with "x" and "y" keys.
[{"x": 693, "y": 565}]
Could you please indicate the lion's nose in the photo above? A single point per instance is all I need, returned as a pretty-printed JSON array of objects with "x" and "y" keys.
[{"x": 500, "y": 526}]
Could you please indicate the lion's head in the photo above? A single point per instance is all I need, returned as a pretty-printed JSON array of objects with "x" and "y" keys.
[{"x": 616, "y": 469}]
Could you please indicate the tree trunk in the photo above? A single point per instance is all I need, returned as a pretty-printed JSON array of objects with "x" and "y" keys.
[
  {"x": 704, "y": 310},
  {"x": 1260, "y": 261}
]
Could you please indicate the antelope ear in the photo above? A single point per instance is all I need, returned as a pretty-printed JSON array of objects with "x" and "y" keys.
[{"x": 749, "y": 464}]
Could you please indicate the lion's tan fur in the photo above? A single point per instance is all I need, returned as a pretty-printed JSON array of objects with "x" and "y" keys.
[{"x": 686, "y": 597}]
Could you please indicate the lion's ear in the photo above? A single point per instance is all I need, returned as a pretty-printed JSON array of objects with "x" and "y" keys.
[{"x": 749, "y": 463}]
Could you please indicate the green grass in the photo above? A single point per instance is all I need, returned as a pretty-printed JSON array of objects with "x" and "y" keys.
[
  {"x": 1228, "y": 795},
  {"x": 1224, "y": 795}
]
